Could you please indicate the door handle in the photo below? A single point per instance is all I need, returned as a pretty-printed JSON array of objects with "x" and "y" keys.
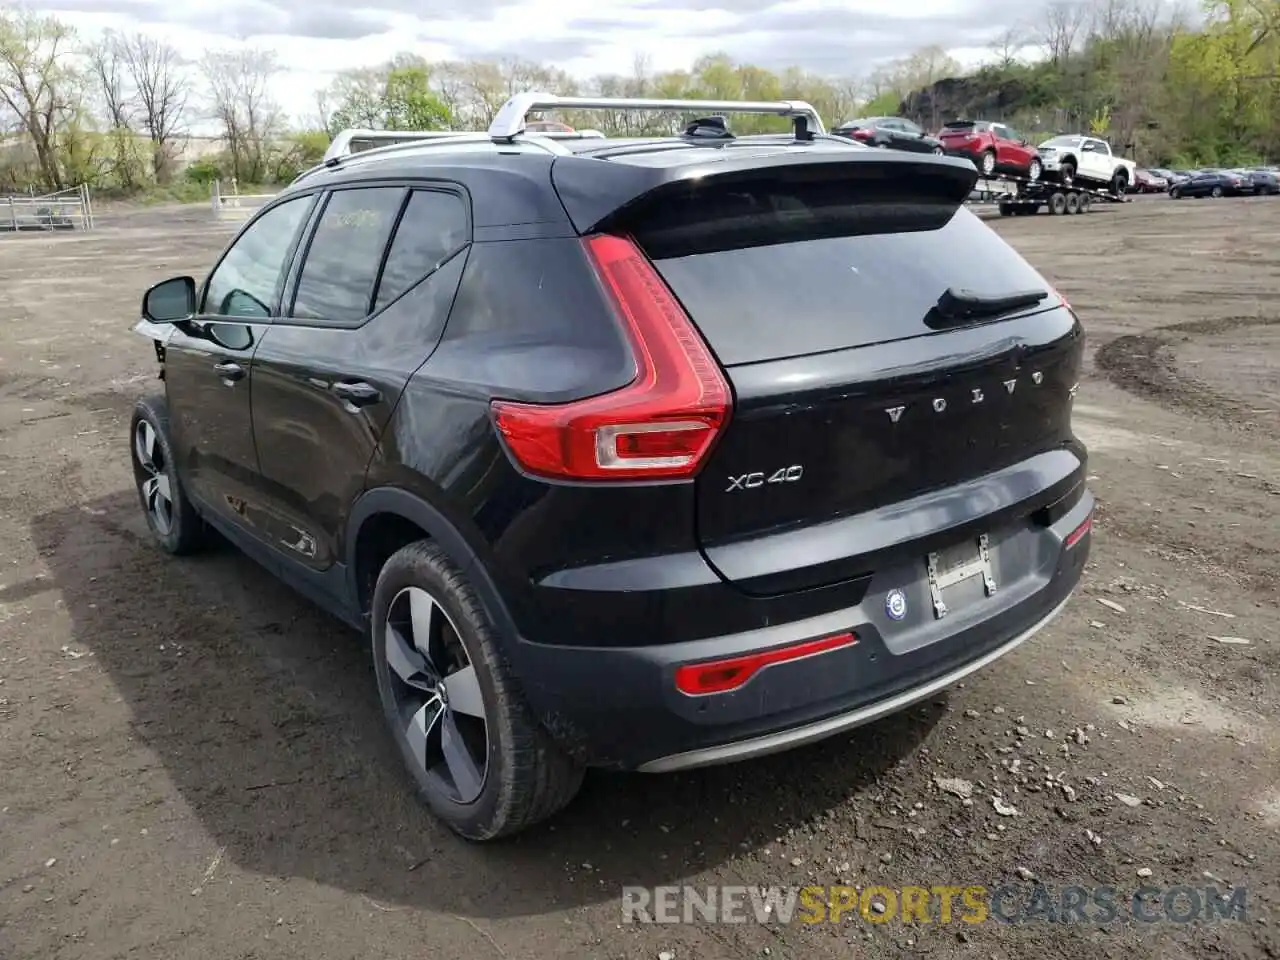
[
  {"x": 358, "y": 393},
  {"x": 229, "y": 370}
]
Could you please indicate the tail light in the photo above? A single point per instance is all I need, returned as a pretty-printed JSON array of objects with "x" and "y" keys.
[
  {"x": 721, "y": 676},
  {"x": 663, "y": 424},
  {"x": 1078, "y": 534},
  {"x": 861, "y": 134}
]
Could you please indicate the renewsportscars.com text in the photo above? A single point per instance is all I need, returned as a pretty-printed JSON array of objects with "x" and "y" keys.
[{"x": 971, "y": 903}]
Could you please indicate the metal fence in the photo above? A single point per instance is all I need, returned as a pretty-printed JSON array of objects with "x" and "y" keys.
[
  {"x": 70, "y": 209},
  {"x": 230, "y": 204}
]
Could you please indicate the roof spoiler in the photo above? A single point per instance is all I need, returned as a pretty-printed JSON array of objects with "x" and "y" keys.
[{"x": 598, "y": 195}]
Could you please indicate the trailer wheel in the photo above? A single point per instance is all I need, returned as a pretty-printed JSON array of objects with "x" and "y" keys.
[
  {"x": 1086, "y": 202},
  {"x": 1058, "y": 203},
  {"x": 1073, "y": 203}
]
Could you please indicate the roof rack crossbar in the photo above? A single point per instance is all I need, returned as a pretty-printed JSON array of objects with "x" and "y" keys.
[
  {"x": 342, "y": 143},
  {"x": 511, "y": 119}
]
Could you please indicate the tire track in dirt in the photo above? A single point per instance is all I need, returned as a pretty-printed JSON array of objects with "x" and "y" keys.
[{"x": 1146, "y": 365}]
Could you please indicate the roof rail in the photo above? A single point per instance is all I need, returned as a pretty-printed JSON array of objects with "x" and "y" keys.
[
  {"x": 342, "y": 145},
  {"x": 511, "y": 119}
]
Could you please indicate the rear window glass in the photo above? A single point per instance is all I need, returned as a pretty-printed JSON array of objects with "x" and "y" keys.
[
  {"x": 433, "y": 226},
  {"x": 785, "y": 270}
]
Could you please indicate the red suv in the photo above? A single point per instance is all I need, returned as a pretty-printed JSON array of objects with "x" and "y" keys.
[{"x": 993, "y": 148}]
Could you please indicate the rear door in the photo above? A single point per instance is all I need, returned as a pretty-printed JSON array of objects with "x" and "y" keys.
[
  {"x": 1095, "y": 160},
  {"x": 365, "y": 307},
  {"x": 818, "y": 293},
  {"x": 912, "y": 137},
  {"x": 1008, "y": 153}
]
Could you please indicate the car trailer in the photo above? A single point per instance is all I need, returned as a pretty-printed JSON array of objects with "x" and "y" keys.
[{"x": 1030, "y": 196}]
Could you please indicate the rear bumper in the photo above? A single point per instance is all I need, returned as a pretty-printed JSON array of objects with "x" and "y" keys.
[
  {"x": 812, "y": 732},
  {"x": 620, "y": 708}
]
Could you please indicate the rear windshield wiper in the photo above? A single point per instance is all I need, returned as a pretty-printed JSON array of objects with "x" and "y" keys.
[{"x": 957, "y": 306}]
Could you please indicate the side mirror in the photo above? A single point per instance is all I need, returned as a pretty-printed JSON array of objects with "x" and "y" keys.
[{"x": 170, "y": 301}]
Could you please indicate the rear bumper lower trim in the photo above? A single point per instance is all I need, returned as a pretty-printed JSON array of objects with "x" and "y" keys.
[{"x": 797, "y": 736}]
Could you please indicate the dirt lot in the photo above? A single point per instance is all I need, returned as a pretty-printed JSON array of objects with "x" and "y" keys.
[{"x": 192, "y": 763}]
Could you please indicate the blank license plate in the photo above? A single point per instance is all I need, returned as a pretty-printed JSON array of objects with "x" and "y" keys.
[{"x": 957, "y": 564}]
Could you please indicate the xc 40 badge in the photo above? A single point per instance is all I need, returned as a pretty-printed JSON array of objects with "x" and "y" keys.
[{"x": 759, "y": 478}]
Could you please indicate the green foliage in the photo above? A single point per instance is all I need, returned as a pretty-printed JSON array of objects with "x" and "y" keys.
[{"x": 205, "y": 171}]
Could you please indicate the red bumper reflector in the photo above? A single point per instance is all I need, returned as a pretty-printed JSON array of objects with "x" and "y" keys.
[
  {"x": 721, "y": 676},
  {"x": 1076, "y": 535}
]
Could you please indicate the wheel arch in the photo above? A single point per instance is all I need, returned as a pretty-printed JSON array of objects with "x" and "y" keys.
[{"x": 384, "y": 519}]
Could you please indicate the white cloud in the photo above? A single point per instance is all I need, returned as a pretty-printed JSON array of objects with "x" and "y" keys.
[{"x": 316, "y": 38}]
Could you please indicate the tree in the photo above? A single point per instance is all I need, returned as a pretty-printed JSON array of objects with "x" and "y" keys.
[
  {"x": 38, "y": 83},
  {"x": 160, "y": 80},
  {"x": 1063, "y": 21},
  {"x": 240, "y": 97}
]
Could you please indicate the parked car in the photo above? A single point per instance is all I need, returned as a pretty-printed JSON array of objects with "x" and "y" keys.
[
  {"x": 1088, "y": 160},
  {"x": 1149, "y": 181},
  {"x": 1264, "y": 182},
  {"x": 1170, "y": 176},
  {"x": 993, "y": 147},
  {"x": 681, "y": 513},
  {"x": 893, "y": 132},
  {"x": 1217, "y": 184}
]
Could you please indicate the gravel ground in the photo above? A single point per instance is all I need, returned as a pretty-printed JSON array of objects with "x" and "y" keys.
[{"x": 192, "y": 762}]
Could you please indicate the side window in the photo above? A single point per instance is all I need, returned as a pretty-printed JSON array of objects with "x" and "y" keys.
[
  {"x": 336, "y": 282},
  {"x": 434, "y": 226},
  {"x": 909, "y": 127},
  {"x": 247, "y": 281},
  {"x": 997, "y": 130}
]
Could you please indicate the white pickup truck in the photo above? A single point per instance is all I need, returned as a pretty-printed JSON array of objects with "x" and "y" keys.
[{"x": 1088, "y": 160}]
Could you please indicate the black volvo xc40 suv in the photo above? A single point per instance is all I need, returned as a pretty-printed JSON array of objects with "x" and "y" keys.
[{"x": 642, "y": 454}]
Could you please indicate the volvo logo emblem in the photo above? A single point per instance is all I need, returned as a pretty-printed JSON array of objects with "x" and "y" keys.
[
  {"x": 976, "y": 395},
  {"x": 895, "y": 604}
]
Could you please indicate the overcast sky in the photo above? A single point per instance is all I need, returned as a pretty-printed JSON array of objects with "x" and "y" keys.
[{"x": 315, "y": 38}]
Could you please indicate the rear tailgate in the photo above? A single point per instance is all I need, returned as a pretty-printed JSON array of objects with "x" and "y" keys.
[
  {"x": 815, "y": 286},
  {"x": 960, "y": 133}
]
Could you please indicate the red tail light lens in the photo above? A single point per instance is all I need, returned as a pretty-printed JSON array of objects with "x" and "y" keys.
[
  {"x": 663, "y": 424},
  {"x": 721, "y": 676},
  {"x": 860, "y": 134},
  {"x": 1078, "y": 534}
]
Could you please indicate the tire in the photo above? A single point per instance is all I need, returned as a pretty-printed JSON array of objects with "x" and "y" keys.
[
  {"x": 937, "y": 151},
  {"x": 171, "y": 518},
  {"x": 1175, "y": 193},
  {"x": 1086, "y": 203},
  {"x": 1007, "y": 210},
  {"x": 1034, "y": 170},
  {"x": 987, "y": 163},
  {"x": 1119, "y": 183},
  {"x": 1073, "y": 203},
  {"x": 1057, "y": 203},
  {"x": 1216, "y": 193},
  {"x": 526, "y": 777},
  {"x": 1067, "y": 173}
]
